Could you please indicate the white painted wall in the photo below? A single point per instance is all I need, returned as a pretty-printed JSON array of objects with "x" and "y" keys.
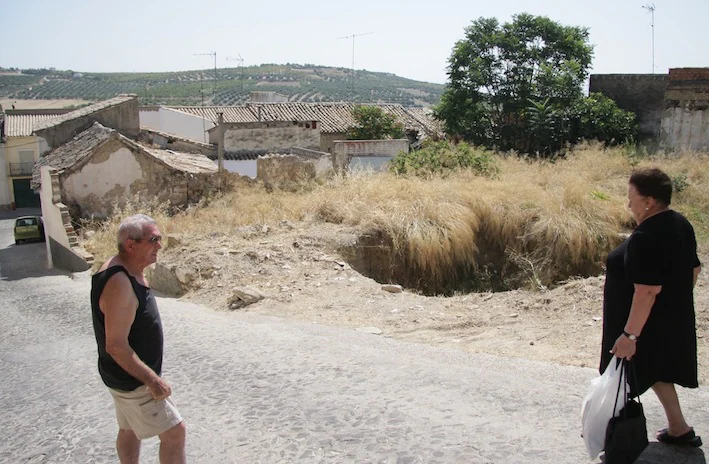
[
  {"x": 117, "y": 172},
  {"x": 51, "y": 215},
  {"x": 686, "y": 129},
  {"x": 4, "y": 184},
  {"x": 243, "y": 167},
  {"x": 365, "y": 163},
  {"x": 177, "y": 123}
]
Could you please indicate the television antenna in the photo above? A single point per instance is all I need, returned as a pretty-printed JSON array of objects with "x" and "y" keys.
[
  {"x": 352, "y": 77},
  {"x": 212, "y": 54},
  {"x": 651, "y": 9},
  {"x": 240, "y": 60}
]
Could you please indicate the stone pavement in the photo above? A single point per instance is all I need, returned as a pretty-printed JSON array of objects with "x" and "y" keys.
[{"x": 255, "y": 389}]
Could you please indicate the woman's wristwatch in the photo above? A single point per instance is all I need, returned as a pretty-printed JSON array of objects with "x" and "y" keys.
[{"x": 630, "y": 336}]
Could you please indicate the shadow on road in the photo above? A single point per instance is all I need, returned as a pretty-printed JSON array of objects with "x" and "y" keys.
[
  {"x": 15, "y": 213},
  {"x": 658, "y": 453},
  {"x": 24, "y": 261}
]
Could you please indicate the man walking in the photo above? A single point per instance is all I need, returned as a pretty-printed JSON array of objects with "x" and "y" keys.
[{"x": 129, "y": 335}]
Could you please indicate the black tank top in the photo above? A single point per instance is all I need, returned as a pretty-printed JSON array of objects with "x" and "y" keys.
[{"x": 145, "y": 337}]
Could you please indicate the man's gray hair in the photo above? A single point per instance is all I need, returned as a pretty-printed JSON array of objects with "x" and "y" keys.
[{"x": 132, "y": 228}]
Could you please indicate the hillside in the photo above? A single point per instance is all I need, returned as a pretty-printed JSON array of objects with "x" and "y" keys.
[{"x": 308, "y": 83}]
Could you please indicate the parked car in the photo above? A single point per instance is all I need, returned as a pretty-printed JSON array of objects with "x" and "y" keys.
[{"x": 29, "y": 228}]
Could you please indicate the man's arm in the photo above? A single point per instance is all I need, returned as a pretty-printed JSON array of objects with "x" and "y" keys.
[
  {"x": 119, "y": 304},
  {"x": 697, "y": 270}
]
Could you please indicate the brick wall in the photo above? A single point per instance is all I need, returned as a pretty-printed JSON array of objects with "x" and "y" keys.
[{"x": 687, "y": 85}]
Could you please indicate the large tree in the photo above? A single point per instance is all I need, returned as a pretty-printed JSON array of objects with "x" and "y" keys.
[{"x": 500, "y": 71}]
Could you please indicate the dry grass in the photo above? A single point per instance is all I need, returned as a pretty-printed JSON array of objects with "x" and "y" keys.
[{"x": 537, "y": 223}]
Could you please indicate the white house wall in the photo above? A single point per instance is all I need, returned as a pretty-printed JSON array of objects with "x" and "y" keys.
[
  {"x": 4, "y": 184},
  {"x": 686, "y": 129},
  {"x": 109, "y": 176},
  {"x": 243, "y": 167},
  {"x": 177, "y": 123}
]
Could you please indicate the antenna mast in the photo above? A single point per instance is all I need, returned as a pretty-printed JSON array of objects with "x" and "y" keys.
[
  {"x": 352, "y": 77},
  {"x": 651, "y": 9},
  {"x": 212, "y": 54},
  {"x": 240, "y": 60}
]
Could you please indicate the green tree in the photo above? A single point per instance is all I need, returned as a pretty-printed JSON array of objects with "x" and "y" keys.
[
  {"x": 498, "y": 69},
  {"x": 374, "y": 124}
]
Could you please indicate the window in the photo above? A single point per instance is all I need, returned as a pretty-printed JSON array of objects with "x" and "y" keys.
[
  {"x": 26, "y": 156},
  {"x": 26, "y": 222}
]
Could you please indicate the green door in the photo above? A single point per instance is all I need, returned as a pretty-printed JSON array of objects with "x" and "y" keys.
[{"x": 24, "y": 195}]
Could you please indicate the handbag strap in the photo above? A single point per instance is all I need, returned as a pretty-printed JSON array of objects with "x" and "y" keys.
[
  {"x": 617, "y": 394},
  {"x": 627, "y": 368},
  {"x": 635, "y": 376}
]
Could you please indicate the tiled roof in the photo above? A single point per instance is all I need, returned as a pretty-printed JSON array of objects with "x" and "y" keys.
[
  {"x": 85, "y": 111},
  {"x": 231, "y": 113},
  {"x": 20, "y": 123},
  {"x": 333, "y": 117},
  {"x": 186, "y": 162},
  {"x": 425, "y": 116},
  {"x": 74, "y": 151},
  {"x": 81, "y": 147}
]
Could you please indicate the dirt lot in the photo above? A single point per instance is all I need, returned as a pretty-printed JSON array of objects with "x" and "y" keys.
[{"x": 299, "y": 271}]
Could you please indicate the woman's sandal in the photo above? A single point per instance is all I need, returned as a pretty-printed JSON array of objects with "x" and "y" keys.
[{"x": 687, "y": 439}]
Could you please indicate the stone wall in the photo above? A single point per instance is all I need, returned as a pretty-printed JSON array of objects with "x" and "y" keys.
[
  {"x": 124, "y": 117},
  {"x": 285, "y": 172},
  {"x": 327, "y": 140},
  {"x": 306, "y": 153},
  {"x": 643, "y": 94},
  {"x": 268, "y": 137}
]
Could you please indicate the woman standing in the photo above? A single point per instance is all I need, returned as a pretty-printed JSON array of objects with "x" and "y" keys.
[{"x": 648, "y": 301}]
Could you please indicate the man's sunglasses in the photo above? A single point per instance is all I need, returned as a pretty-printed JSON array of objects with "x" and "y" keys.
[{"x": 152, "y": 240}]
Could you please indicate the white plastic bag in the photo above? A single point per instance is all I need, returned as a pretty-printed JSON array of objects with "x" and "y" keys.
[{"x": 597, "y": 408}]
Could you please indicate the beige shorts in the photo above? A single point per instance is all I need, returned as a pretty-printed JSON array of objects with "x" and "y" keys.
[{"x": 139, "y": 412}]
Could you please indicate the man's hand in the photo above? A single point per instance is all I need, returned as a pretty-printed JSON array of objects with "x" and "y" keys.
[
  {"x": 624, "y": 347},
  {"x": 159, "y": 389}
]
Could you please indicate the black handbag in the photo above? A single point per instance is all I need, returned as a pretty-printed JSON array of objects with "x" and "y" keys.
[{"x": 626, "y": 435}]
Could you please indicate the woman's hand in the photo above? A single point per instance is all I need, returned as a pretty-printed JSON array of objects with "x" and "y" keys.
[{"x": 624, "y": 347}]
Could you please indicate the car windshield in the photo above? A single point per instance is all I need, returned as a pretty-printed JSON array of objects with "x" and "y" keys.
[{"x": 26, "y": 222}]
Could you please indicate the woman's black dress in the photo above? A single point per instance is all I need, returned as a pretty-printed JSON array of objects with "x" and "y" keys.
[{"x": 661, "y": 251}]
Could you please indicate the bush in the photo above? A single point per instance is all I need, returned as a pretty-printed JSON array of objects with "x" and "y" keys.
[
  {"x": 443, "y": 157},
  {"x": 599, "y": 118}
]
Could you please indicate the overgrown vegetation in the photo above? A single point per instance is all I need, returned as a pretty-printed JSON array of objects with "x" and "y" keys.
[
  {"x": 374, "y": 124},
  {"x": 443, "y": 158},
  {"x": 533, "y": 224},
  {"x": 517, "y": 86}
]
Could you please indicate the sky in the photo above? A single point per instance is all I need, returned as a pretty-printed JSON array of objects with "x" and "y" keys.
[{"x": 410, "y": 38}]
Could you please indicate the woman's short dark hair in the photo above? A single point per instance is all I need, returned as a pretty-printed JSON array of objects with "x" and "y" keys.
[{"x": 652, "y": 182}]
